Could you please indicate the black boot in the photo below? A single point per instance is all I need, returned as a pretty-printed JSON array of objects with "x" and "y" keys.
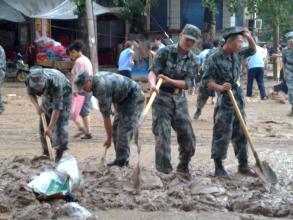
[
  {"x": 219, "y": 169},
  {"x": 244, "y": 169},
  {"x": 291, "y": 113},
  {"x": 183, "y": 171},
  {"x": 119, "y": 163},
  {"x": 197, "y": 114},
  {"x": 59, "y": 154},
  {"x": 46, "y": 152}
]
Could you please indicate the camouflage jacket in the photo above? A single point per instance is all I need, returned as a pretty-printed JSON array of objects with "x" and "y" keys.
[
  {"x": 169, "y": 62},
  {"x": 287, "y": 59},
  {"x": 111, "y": 88},
  {"x": 2, "y": 59},
  {"x": 57, "y": 91}
]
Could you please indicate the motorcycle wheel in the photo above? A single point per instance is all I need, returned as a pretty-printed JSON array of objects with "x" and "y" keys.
[{"x": 21, "y": 76}]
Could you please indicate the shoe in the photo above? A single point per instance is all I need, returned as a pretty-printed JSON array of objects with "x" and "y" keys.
[
  {"x": 197, "y": 114},
  {"x": 119, "y": 163},
  {"x": 81, "y": 131},
  {"x": 219, "y": 169},
  {"x": 87, "y": 136},
  {"x": 264, "y": 98},
  {"x": 183, "y": 171},
  {"x": 59, "y": 154},
  {"x": 244, "y": 169}
]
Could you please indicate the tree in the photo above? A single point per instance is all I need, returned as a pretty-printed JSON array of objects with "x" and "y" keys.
[
  {"x": 134, "y": 13},
  {"x": 209, "y": 27},
  {"x": 273, "y": 12}
]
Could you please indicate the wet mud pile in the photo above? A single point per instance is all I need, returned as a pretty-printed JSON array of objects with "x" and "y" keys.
[{"x": 104, "y": 189}]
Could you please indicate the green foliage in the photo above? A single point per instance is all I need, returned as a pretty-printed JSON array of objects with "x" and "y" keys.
[
  {"x": 211, "y": 5},
  {"x": 80, "y": 7}
]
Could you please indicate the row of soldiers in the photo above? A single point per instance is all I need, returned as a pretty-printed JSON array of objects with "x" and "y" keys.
[{"x": 176, "y": 65}]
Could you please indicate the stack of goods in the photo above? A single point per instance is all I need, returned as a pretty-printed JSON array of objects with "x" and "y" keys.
[{"x": 50, "y": 50}]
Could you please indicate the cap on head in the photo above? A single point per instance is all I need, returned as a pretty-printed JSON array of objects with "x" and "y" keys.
[
  {"x": 191, "y": 32},
  {"x": 37, "y": 77},
  {"x": 289, "y": 36},
  {"x": 227, "y": 32},
  {"x": 81, "y": 80}
]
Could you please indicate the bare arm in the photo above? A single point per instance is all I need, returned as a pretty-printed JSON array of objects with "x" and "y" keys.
[
  {"x": 108, "y": 128},
  {"x": 219, "y": 88},
  {"x": 54, "y": 118}
]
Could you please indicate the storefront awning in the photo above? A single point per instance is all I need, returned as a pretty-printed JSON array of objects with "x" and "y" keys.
[
  {"x": 10, "y": 14},
  {"x": 54, "y": 9}
]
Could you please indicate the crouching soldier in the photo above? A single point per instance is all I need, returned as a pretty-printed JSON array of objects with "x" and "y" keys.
[
  {"x": 128, "y": 98},
  {"x": 223, "y": 74},
  {"x": 55, "y": 90}
]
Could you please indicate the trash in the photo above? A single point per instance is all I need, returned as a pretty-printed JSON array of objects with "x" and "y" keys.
[
  {"x": 95, "y": 103},
  {"x": 62, "y": 181},
  {"x": 75, "y": 211}
]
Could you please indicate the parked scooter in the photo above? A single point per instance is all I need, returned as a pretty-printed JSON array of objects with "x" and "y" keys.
[{"x": 17, "y": 69}]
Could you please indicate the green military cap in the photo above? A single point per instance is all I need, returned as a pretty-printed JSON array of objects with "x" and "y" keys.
[
  {"x": 227, "y": 32},
  {"x": 37, "y": 77},
  {"x": 81, "y": 80},
  {"x": 191, "y": 32},
  {"x": 289, "y": 36}
]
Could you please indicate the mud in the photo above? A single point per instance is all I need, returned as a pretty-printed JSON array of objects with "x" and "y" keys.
[{"x": 159, "y": 192}]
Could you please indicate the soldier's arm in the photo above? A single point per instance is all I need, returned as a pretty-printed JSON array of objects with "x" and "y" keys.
[
  {"x": 34, "y": 101},
  {"x": 158, "y": 65},
  {"x": 251, "y": 49},
  {"x": 181, "y": 84},
  {"x": 54, "y": 118},
  {"x": 109, "y": 131}
]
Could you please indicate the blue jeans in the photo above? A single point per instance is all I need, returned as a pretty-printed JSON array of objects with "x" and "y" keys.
[{"x": 258, "y": 74}]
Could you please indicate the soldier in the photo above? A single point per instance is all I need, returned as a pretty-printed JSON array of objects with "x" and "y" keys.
[
  {"x": 223, "y": 74},
  {"x": 2, "y": 75},
  {"x": 128, "y": 98},
  {"x": 176, "y": 65},
  {"x": 55, "y": 90},
  {"x": 287, "y": 60}
]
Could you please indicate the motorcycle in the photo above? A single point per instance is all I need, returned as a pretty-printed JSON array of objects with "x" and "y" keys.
[{"x": 17, "y": 69}]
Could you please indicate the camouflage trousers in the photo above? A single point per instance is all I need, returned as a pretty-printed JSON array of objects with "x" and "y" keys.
[
  {"x": 60, "y": 135},
  {"x": 227, "y": 127},
  {"x": 290, "y": 90},
  {"x": 172, "y": 111},
  {"x": 125, "y": 121},
  {"x": 2, "y": 78},
  {"x": 202, "y": 97}
]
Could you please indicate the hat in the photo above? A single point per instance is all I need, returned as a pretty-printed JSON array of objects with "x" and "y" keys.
[
  {"x": 227, "y": 32},
  {"x": 37, "y": 77},
  {"x": 289, "y": 36},
  {"x": 191, "y": 32},
  {"x": 81, "y": 80}
]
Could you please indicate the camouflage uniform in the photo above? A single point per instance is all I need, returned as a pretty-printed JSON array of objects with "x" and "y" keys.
[
  {"x": 2, "y": 74},
  {"x": 128, "y": 98},
  {"x": 221, "y": 69},
  {"x": 57, "y": 95},
  {"x": 170, "y": 108},
  {"x": 287, "y": 59}
]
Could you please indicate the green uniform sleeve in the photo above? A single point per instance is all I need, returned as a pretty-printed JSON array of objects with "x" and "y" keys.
[
  {"x": 159, "y": 61},
  {"x": 2, "y": 58},
  {"x": 246, "y": 52},
  {"x": 58, "y": 97},
  {"x": 191, "y": 71}
]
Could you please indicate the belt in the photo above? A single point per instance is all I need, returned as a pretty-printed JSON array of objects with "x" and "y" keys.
[{"x": 171, "y": 90}]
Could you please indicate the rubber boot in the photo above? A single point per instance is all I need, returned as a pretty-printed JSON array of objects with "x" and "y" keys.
[
  {"x": 197, "y": 114},
  {"x": 244, "y": 169},
  {"x": 59, "y": 154},
  {"x": 119, "y": 163},
  {"x": 219, "y": 169},
  {"x": 183, "y": 171}
]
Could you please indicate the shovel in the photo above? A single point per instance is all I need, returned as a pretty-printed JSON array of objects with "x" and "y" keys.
[
  {"x": 265, "y": 171},
  {"x": 49, "y": 145},
  {"x": 136, "y": 173}
]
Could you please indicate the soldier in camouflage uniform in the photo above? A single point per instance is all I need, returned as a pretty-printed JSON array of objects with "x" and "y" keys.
[
  {"x": 128, "y": 99},
  {"x": 287, "y": 59},
  {"x": 223, "y": 74},
  {"x": 2, "y": 75},
  {"x": 203, "y": 93},
  {"x": 176, "y": 65},
  {"x": 56, "y": 93}
]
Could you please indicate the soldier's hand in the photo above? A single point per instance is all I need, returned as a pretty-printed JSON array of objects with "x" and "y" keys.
[
  {"x": 108, "y": 143},
  {"x": 166, "y": 79},
  {"x": 40, "y": 110},
  {"x": 247, "y": 33},
  {"x": 154, "y": 89},
  {"x": 48, "y": 132},
  {"x": 225, "y": 87}
]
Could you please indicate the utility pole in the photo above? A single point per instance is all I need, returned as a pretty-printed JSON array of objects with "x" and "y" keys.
[{"x": 92, "y": 35}]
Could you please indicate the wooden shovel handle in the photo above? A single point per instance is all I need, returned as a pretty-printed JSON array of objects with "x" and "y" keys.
[
  {"x": 243, "y": 125},
  {"x": 151, "y": 100},
  {"x": 49, "y": 145}
]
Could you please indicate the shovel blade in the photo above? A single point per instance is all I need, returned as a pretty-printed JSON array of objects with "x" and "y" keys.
[{"x": 265, "y": 172}]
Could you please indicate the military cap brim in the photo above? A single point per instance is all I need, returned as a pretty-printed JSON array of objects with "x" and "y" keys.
[{"x": 232, "y": 31}]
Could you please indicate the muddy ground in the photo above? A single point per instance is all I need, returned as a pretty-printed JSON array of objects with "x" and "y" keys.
[{"x": 110, "y": 195}]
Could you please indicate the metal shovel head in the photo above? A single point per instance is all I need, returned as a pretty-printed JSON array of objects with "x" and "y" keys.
[{"x": 266, "y": 173}]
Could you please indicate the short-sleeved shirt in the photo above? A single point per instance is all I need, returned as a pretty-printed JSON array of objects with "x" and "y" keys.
[
  {"x": 256, "y": 60},
  {"x": 287, "y": 59},
  {"x": 125, "y": 60},
  {"x": 57, "y": 91},
  {"x": 223, "y": 68},
  {"x": 202, "y": 57},
  {"x": 111, "y": 88},
  {"x": 81, "y": 64},
  {"x": 168, "y": 61}
]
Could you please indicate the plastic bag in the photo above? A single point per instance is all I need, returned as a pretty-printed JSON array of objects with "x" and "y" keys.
[
  {"x": 68, "y": 165},
  {"x": 77, "y": 102},
  {"x": 95, "y": 103},
  {"x": 75, "y": 211}
]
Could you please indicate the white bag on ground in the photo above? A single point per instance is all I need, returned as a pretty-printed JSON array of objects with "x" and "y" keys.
[{"x": 75, "y": 211}]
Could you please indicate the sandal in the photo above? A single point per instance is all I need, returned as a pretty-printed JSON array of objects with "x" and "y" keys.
[{"x": 81, "y": 132}]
